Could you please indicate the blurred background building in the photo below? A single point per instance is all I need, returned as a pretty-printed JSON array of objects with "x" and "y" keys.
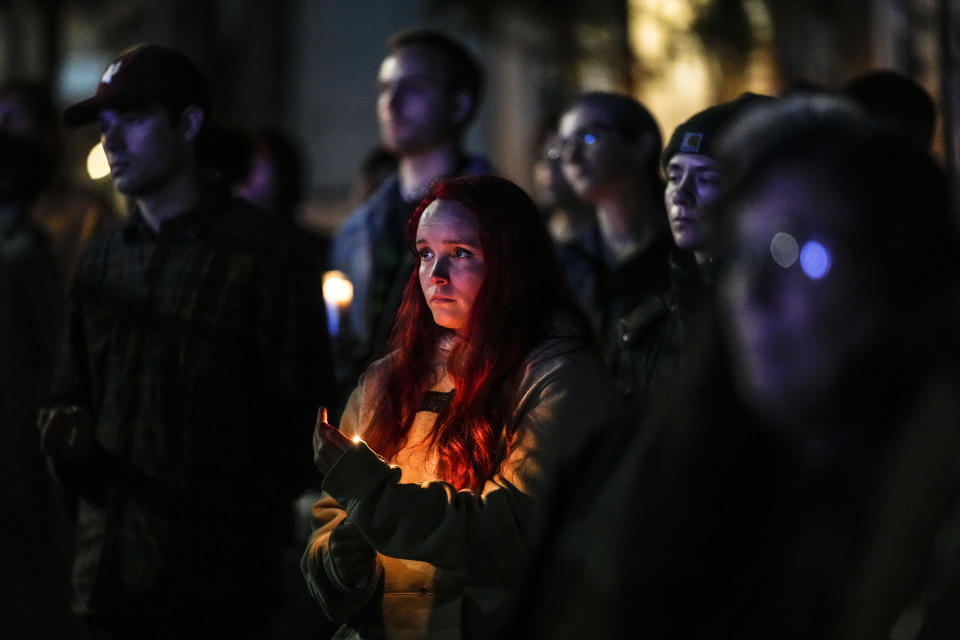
[{"x": 308, "y": 67}]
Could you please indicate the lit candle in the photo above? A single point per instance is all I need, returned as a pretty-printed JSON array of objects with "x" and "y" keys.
[{"x": 337, "y": 295}]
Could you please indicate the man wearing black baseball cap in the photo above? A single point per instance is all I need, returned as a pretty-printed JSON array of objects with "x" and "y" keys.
[
  {"x": 143, "y": 74},
  {"x": 195, "y": 356}
]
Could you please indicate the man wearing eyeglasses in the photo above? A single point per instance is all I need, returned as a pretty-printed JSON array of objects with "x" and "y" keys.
[
  {"x": 657, "y": 330},
  {"x": 609, "y": 148}
]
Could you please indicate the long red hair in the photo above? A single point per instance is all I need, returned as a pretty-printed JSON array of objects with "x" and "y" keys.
[{"x": 523, "y": 289}]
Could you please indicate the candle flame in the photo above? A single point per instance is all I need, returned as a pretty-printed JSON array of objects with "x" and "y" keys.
[
  {"x": 337, "y": 289},
  {"x": 356, "y": 439}
]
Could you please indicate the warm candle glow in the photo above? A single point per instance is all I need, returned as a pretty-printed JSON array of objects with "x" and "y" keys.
[
  {"x": 337, "y": 289},
  {"x": 97, "y": 166},
  {"x": 356, "y": 439},
  {"x": 337, "y": 294}
]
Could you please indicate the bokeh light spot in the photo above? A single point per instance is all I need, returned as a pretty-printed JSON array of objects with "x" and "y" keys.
[
  {"x": 815, "y": 260},
  {"x": 337, "y": 295},
  {"x": 336, "y": 288},
  {"x": 784, "y": 249},
  {"x": 97, "y": 166},
  {"x": 589, "y": 138}
]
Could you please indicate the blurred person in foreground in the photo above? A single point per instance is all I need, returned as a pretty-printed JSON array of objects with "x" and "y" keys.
[
  {"x": 802, "y": 482},
  {"x": 34, "y": 531},
  {"x": 429, "y": 89},
  {"x": 194, "y": 349},
  {"x": 610, "y": 150},
  {"x": 490, "y": 383},
  {"x": 654, "y": 334}
]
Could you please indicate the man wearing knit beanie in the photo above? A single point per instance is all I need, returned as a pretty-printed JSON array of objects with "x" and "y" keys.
[
  {"x": 657, "y": 330},
  {"x": 693, "y": 176}
]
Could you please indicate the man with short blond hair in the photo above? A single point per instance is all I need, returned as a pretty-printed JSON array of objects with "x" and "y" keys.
[{"x": 429, "y": 89}]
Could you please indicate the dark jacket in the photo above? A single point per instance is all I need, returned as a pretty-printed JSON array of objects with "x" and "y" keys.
[
  {"x": 607, "y": 293},
  {"x": 34, "y": 530},
  {"x": 450, "y": 560},
  {"x": 717, "y": 527},
  {"x": 201, "y": 354},
  {"x": 654, "y": 334}
]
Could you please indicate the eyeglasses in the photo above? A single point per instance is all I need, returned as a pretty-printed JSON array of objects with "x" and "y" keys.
[
  {"x": 584, "y": 138},
  {"x": 552, "y": 152}
]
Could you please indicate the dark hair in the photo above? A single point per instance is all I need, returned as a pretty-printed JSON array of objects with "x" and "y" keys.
[
  {"x": 548, "y": 127},
  {"x": 38, "y": 101},
  {"x": 39, "y": 161},
  {"x": 523, "y": 290},
  {"x": 898, "y": 99},
  {"x": 633, "y": 121},
  {"x": 375, "y": 167},
  {"x": 288, "y": 168},
  {"x": 462, "y": 69},
  {"x": 25, "y": 170}
]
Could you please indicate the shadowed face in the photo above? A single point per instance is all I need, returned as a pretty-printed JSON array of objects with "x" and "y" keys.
[
  {"x": 452, "y": 267},
  {"x": 16, "y": 117},
  {"x": 260, "y": 185},
  {"x": 144, "y": 149},
  {"x": 550, "y": 186},
  {"x": 693, "y": 184},
  {"x": 798, "y": 308},
  {"x": 594, "y": 154},
  {"x": 415, "y": 107}
]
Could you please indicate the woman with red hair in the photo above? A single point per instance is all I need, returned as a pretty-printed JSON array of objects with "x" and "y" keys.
[{"x": 491, "y": 382}]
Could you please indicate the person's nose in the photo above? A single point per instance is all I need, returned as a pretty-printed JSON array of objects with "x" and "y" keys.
[
  {"x": 571, "y": 150},
  {"x": 440, "y": 273},
  {"x": 387, "y": 104},
  {"x": 111, "y": 137},
  {"x": 683, "y": 192},
  {"x": 393, "y": 99}
]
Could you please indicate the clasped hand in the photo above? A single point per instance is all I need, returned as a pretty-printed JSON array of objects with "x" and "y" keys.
[
  {"x": 328, "y": 443},
  {"x": 66, "y": 432},
  {"x": 354, "y": 559}
]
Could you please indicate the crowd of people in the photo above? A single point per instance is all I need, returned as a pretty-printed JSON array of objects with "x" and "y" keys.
[{"x": 697, "y": 385}]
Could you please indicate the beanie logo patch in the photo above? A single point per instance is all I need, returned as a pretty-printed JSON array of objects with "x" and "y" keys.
[
  {"x": 691, "y": 142},
  {"x": 110, "y": 72}
]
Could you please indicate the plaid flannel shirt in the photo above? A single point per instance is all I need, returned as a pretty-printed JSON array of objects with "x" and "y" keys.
[{"x": 202, "y": 353}]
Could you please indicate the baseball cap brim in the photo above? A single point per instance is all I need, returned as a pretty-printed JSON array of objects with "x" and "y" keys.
[{"x": 86, "y": 111}]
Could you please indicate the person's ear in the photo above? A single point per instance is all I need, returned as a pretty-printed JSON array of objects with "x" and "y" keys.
[
  {"x": 462, "y": 107},
  {"x": 192, "y": 122}
]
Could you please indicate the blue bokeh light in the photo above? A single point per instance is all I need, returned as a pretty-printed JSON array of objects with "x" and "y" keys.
[
  {"x": 815, "y": 260},
  {"x": 589, "y": 138}
]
